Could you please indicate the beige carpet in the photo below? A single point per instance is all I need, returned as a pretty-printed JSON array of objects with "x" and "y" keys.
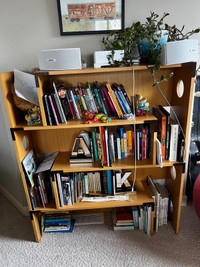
[{"x": 97, "y": 245}]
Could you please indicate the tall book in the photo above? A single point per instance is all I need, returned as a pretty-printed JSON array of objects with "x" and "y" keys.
[
  {"x": 173, "y": 141},
  {"x": 167, "y": 114},
  {"x": 161, "y": 129}
]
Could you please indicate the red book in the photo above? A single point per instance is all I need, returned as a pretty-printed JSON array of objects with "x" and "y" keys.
[
  {"x": 162, "y": 120},
  {"x": 133, "y": 143},
  {"x": 124, "y": 214},
  {"x": 143, "y": 143}
]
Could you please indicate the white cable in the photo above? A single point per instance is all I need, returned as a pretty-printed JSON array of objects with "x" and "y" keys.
[
  {"x": 171, "y": 108},
  {"x": 134, "y": 127}
]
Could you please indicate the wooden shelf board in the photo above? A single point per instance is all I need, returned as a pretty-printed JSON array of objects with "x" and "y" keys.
[
  {"x": 62, "y": 164},
  {"x": 80, "y": 123},
  {"x": 103, "y": 70},
  {"x": 142, "y": 196}
]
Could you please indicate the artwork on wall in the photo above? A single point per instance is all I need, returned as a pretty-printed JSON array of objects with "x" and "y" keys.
[{"x": 90, "y": 16}]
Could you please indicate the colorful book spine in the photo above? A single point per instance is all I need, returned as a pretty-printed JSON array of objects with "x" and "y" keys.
[
  {"x": 90, "y": 94},
  {"x": 71, "y": 106},
  {"x": 127, "y": 144},
  {"x": 143, "y": 143},
  {"x": 109, "y": 182},
  {"x": 109, "y": 101},
  {"x": 130, "y": 146},
  {"x": 126, "y": 96},
  {"x": 100, "y": 135},
  {"x": 98, "y": 99},
  {"x": 55, "y": 107},
  {"x": 114, "y": 100}
]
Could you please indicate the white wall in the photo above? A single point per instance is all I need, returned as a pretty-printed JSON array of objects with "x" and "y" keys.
[{"x": 28, "y": 26}]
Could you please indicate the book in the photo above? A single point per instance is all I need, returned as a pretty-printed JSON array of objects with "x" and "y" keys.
[
  {"x": 164, "y": 201},
  {"x": 121, "y": 131},
  {"x": 173, "y": 141},
  {"x": 167, "y": 114},
  {"x": 156, "y": 198},
  {"x": 60, "y": 107},
  {"x": 114, "y": 100},
  {"x": 124, "y": 214},
  {"x": 109, "y": 182},
  {"x": 64, "y": 101},
  {"x": 58, "y": 178},
  {"x": 161, "y": 129},
  {"x": 53, "y": 109},
  {"x": 48, "y": 110}
]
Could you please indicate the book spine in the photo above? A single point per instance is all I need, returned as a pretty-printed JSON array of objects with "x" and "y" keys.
[
  {"x": 143, "y": 144},
  {"x": 71, "y": 106},
  {"x": 119, "y": 148},
  {"x": 100, "y": 135},
  {"x": 99, "y": 100},
  {"x": 126, "y": 96},
  {"x": 55, "y": 107},
  {"x": 173, "y": 143},
  {"x": 75, "y": 106},
  {"x": 163, "y": 136},
  {"x": 109, "y": 101},
  {"x": 119, "y": 101},
  {"x": 112, "y": 96},
  {"x": 107, "y": 147},
  {"x": 90, "y": 94},
  {"x": 130, "y": 147},
  {"x": 48, "y": 109},
  {"x": 109, "y": 182},
  {"x": 59, "y": 103},
  {"x": 54, "y": 112},
  {"x": 104, "y": 145},
  {"x": 95, "y": 146},
  {"x": 59, "y": 110},
  {"x": 125, "y": 145},
  {"x": 105, "y": 102},
  {"x": 122, "y": 142}
]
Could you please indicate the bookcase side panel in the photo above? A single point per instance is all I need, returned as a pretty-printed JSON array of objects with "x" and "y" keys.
[
  {"x": 175, "y": 188},
  {"x": 183, "y": 105},
  {"x": 36, "y": 227},
  {"x": 7, "y": 85}
]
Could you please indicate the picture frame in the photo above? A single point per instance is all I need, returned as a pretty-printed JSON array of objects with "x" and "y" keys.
[{"x": 78, "y": 17}]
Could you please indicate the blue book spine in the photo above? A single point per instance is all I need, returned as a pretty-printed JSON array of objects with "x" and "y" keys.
[
  {"x": 122, "y": 100},
  {"x": 53, "y": 221},
  {"x": 122, "y": 142},
  {"x": 99, "y": 100},
  {"x": 109, "y": 182}
]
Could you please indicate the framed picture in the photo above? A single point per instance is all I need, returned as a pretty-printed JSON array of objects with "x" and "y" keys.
[{"x": 90, "y": 16}]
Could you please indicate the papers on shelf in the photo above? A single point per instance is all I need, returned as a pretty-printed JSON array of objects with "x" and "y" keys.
[
  {"x": 105, "y": 198},
  {"x": 25, "y": 86}
]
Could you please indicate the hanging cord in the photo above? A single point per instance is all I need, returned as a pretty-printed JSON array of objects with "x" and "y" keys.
[{"x": 134, "y": 127}]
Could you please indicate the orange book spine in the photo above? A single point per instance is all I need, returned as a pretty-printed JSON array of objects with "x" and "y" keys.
[{"x": 114, "y": 100}]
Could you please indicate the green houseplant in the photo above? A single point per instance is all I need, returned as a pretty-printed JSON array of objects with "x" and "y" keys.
[{"x": 148, "y": 37}]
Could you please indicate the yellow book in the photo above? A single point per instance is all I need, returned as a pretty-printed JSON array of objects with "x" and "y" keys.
[{"x": 127, "y": 143}]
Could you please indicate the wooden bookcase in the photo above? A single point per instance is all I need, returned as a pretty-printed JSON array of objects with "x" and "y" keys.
[{"x": 44, "y": 139}]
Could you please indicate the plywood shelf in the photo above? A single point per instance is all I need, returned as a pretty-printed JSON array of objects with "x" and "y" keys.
[{"x": 73, "y": 124}]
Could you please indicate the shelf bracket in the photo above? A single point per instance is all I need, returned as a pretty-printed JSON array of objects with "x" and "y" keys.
[{"x": 12, "y": 131}]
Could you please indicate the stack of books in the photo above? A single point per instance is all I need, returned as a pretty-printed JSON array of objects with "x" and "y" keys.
[
  {"x": 123, "y": 218},
  {"x": 81, "y": 152},
  {"x": 57, "y": 222},
  {"x": 64, "y": 104}
]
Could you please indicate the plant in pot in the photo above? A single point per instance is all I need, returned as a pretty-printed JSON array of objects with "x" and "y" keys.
[{"x": 148, "y": 37}]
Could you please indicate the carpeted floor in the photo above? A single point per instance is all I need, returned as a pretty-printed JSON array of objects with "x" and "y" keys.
[{"x": 97, "y": 245}]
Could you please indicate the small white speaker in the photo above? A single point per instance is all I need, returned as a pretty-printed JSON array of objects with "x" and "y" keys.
[
  {"x": 101, "y": 60},
  {"x": 60, "y": 59},
  {"x": 179, "y": 52}
]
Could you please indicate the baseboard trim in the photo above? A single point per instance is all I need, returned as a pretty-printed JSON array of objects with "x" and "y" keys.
[{"x": 24, "y": 210}]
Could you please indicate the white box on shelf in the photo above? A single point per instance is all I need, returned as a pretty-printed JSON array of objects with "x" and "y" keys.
[
  {"x": 101, "y": 57},
  {"x": 179, "y": 52}
]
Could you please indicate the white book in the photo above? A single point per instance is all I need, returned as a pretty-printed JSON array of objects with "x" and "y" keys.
[
  {"x": 119, "y": 148},
  {"x": 86, "y": 185},
  {"x": 173, "y": 141},
  {"x": 159, "y": 153},
  {"x": 149, "y": 219},
  {"x": 112, "y": 146}
]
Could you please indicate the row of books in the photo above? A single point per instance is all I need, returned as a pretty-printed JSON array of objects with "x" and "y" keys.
[
  {"x": 72, "y": 187},
  {"x": 136, "y": 217},
  {"x": 107, "y": 145},
  {"x": 64, "y": 104},
  {"x": 39, "y": 178},
  {"x": 51, "y": 222},
  {"x": 162, "y": 202},
  {"x": 171, "y": 138}
]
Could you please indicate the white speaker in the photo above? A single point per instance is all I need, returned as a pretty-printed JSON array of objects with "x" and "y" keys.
[
  {"x": 101, "y": 60},
  {"x": 60, "y": 59},
  {"x": 179, "y": 52}
]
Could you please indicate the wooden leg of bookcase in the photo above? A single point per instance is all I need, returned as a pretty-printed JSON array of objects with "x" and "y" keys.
[
  {"x": 36, "y": 227},
  {"x": 175, "y": 187}
]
